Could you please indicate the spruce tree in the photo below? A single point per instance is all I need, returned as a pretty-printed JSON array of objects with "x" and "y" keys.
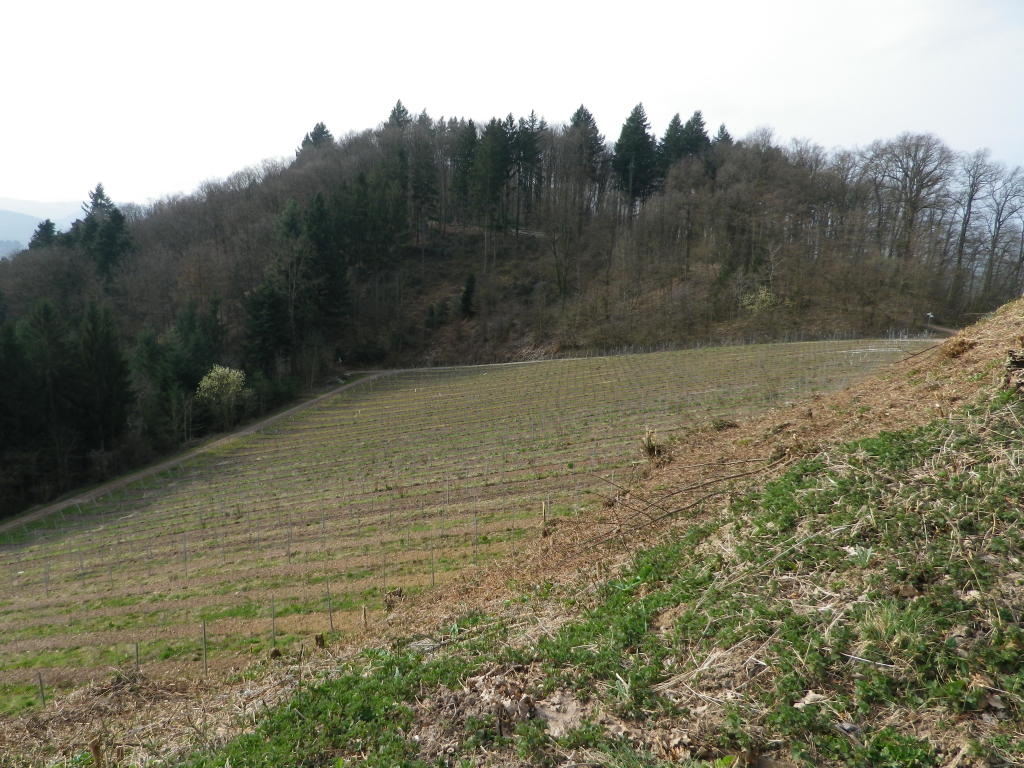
[
  {"x": 101, "y": 378},
  {"x": 526, "y": 161},
  {"x": 695, "y": 139},
  {"x": 492, "y": 163},
  {"x": 422, "y": 171},
  {"x": 43, "y": 335},
  {"x": 635, "y": 161},
  {"x": 266, "y": 311},
  {"x": 463, "y": 156},
  {"x": 588, "y": 143},
  {"x": 399, "y": 117},
  {"x": 318, "y": 137},
  {"x": 100, "y": 205},
  {"x": 328, "y": 267},
  {"x": 103, "y": 233},
  {"x": 672, "y": 147},
  {"x": 45, "y": 235},
  {"x": 466, "y": 306}
]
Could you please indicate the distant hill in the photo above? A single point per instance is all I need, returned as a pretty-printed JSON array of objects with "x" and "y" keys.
[
  {"x": 18, "y": 218},
  {"x": 17, "y": 226},
  {"x": 7, "y": 247}
]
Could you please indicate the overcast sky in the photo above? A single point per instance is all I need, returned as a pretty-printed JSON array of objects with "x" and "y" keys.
[{"x": 153, "y": 98}]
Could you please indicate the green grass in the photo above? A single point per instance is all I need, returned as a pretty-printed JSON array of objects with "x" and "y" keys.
[{"x": 863, "y": 609}]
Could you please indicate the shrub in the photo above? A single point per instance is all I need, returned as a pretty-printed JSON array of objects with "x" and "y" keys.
[{"x": 222, "y": 389}]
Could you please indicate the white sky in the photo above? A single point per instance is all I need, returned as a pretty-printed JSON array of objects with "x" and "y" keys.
[{"x": 153, "y": 98}]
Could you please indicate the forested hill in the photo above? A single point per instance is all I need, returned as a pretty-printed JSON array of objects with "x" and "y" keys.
[{"x": 426, "y": 241}]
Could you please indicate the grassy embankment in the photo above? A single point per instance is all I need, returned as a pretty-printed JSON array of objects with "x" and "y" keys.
[{"x": 862, "y": 609}]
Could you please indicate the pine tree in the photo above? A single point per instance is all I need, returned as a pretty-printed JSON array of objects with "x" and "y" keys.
[
  {"x": 150, "y": 373},
  {"x": 399, "y": 118},
  {"x": 194, "y": 344},
  {"x": 101, "y": 378},
  {"x": 719, "y": 150},
  {"x": 315, "y": 139},
  {"x": 584, "y": 167},
  {"x": 695, "y": 139},
  {"x": 635, "y": 161},
  {"x": 266, "y": 311},
  {"x": 18, "y": 396},
  {"x": 492, "y": 163},
  {"x": 112, "y": 244},
  {"x": 466, "y": 306},
  {"x": 330, "y": 280},
  {"x": 44, "y": 337},
  {"x": 589, "y": 143},
  {"x": 422, "y": 171},
  {"x": 463, "y": 156},
  {"x": 526, "y": 161},
  {"x": 295, "y": 271},
  {"x": 44, "y": 236},
  {"x": 100, "y": 205},
  {"x": 672, "y": 147},
  {"x": 103, "y": 234}
]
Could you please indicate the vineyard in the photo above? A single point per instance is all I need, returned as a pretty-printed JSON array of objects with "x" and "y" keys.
[{"x": 397, "y": 482}]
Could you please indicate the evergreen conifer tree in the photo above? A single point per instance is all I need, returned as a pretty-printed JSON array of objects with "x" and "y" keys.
[
  {"x": 463, "y": 157},
  {"x": 672, "y": 146},
  {"x": 422, "y": 171},
  {"x": 399, "y": 117},
  {"x": 466, "y": 306},
  {"x": 45, "y": 234},
  {"x": 695, "y": 139},
  {"x": 492, "y": 162},
  {"x": 589, "y": 143},
  {"x": 318, "y": 137},
  {"x": 101, "y": 378},
  {"x": 635, "y": 161}
]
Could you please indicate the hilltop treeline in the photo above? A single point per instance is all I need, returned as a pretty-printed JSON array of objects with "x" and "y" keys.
[{"x": 446, "y": 240}]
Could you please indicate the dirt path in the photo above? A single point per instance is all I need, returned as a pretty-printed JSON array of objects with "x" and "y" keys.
[{"x": 93, "y": 493}]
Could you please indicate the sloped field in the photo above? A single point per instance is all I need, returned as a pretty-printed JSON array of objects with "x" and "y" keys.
[{"x": 400, "y": 481}]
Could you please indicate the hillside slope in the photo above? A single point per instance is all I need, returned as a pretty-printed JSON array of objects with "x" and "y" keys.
[
  {"x": 799, "y": 589},
  {"x": 862, "y": 609}
]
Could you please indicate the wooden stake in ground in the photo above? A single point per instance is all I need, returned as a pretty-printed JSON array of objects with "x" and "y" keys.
[
  {"x": 138, "y": 666},
  {"x": 42, "y": 691},
  {"x": 330, "y": 610},
  {"x": 206, "y": 666},
  {"x": 96, "y": 747},
  {"x": 273, "y": 623}
]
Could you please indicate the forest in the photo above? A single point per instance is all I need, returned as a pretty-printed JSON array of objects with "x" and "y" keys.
[{"x": 426, "y": 241}]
